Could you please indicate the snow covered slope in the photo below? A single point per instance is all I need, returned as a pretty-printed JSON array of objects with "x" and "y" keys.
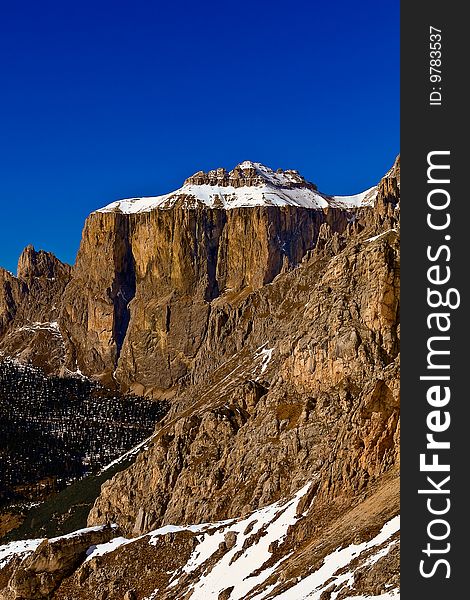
[
  {"x": 239, "y": 559},
  {"x": 248, "y": 184}
]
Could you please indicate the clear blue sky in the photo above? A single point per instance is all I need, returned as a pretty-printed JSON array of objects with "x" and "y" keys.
[{"x": 110, "y": 99}]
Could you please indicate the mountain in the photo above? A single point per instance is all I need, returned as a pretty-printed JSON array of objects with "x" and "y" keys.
[
  {"x": 30, "y": 305},
  {"x": 248, "y": 184},
  {"x": 133, "y": 310},
  {"x": 267, "y": 313}
]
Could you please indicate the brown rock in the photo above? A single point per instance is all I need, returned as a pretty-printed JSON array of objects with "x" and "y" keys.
[
  {"x": 38, "y": 575},
  {"x": 30, "y": 306},
  {"x": 320, "y": 346},
  {"x": 230, "y": 539}
]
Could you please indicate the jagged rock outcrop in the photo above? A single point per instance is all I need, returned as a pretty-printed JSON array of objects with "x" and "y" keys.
[
  {"x": 30, "y": 305},
  {"x": 41, "y": 572},
  {"x": 35, "y": 293},
  {"x": 247, "y": 174},
  {"x": 40, "y": 264}
]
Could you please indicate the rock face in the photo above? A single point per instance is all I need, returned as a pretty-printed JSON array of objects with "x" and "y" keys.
[
  {"x": 305, "y": 368},
  {"x": 40, "y": 573},
  {"x": 275, "y": 331},
  {"x": 35, "y": 294},
  {"x": 133, "y": 311},
  {"x": 143, "y": 285}
]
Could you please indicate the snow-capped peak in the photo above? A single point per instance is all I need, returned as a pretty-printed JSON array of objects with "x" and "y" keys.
[
  {"x": 248, "y": 164},
  {"x": 246, "y": 185}
]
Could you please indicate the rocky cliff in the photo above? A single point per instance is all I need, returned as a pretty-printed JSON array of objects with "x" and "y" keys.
[
  {"x": 30, "y": 307},
  {"x": 275, "y": 331},
  {"x": 133, "y": 311},
  {"x": 143, "y": 286},
  {"x": 301, "y": 370}
]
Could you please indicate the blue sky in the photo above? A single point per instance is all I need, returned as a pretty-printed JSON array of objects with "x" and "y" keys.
[{"x": 110, "y": 99}]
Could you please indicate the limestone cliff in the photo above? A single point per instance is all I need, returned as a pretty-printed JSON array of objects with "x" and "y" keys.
[
  {"x": 297, "y": 380},
  {"x": 143, "y": 285},
  {"x": 30, "y": 305},
  {"x": 134, "y": 309}
]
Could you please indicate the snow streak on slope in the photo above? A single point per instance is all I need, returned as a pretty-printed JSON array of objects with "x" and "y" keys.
[
  {"x": 237, "y": 567},
  {"x": 332, "y": 569},
  {"x": 246, "y": 560},
  {"x": 78, "y": 532},
  {"x": 380, "y": 235},
  {"x": 129, "y": 454},
  {"x": 37, "y": 326},
  {"x": 248, "y": 563},
  {"x": 286, "y": 188},
  {"x": 366, "y": 198}
]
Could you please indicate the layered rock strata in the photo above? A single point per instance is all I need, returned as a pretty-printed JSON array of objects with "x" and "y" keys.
[{"x": 134, "y": 309}]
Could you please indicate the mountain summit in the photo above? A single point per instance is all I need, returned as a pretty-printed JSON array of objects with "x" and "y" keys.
[{"x": 248, "y": 184}]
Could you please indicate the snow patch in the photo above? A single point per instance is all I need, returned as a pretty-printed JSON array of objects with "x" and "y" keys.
[
  {"x": 80, "y": 532},
  {"x": 225, "y": 197},
  {"x": 22, "y": 549},
  {"x": 376, "y": 237},
  {"x": 266, "y": 354},
  {"x": 38, "y": 326},
  {"x": 366, "y": 198},
  {"x": 101, "y": 549},
  {"x": 154, "y": 535},
  {"x": 235, "y": 569}
]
